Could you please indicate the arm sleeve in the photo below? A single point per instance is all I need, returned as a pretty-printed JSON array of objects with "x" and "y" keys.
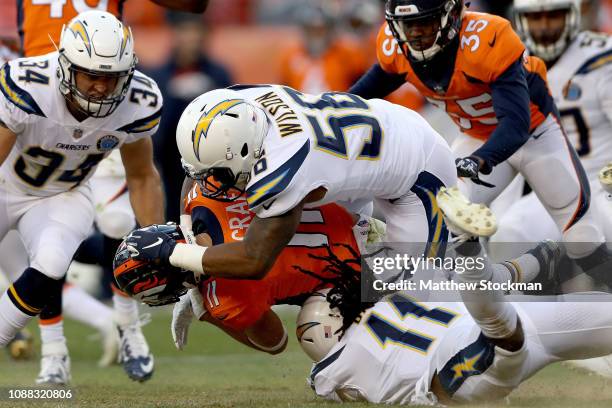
[
  {"x": 204, "y": 221},
  {"x": 511, "y": 104},
  {"x": 377, "y": 83}
]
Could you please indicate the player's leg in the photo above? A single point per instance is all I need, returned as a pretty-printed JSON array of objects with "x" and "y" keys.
[
  {"x": 79, "y": 305},
  {"x": 51, "y": 232},
  {"x": 552, "y": 168},
  {"x": 115, "y": 219},
  {"x": 525, "y": 222},
  {"x": 13, "y": 261},
  {"x": 415, "y": 219}
]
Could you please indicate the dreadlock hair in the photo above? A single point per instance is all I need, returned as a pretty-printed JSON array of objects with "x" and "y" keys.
[{"x": 346, "y": 278}]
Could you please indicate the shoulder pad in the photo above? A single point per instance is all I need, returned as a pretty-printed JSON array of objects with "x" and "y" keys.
[
  {"x": 23, "y": 81},
  {"x": 145, "y": 103},
  {"x": 488, "y": 45}
]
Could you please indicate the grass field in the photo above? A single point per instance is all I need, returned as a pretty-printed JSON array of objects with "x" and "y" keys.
[{"x": 215, "y": 371}]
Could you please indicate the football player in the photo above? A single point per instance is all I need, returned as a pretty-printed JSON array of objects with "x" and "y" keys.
[
  {"x": 402, "y": 351},
  {"x": 40, "y": 25},
  {"x": 472, "y": 65},
  {"x": 242, "y": 308},
  {"x": 75, "y": 98},
  {"x": 289, "y": 151},
  {"x": 580, "y": 81}
]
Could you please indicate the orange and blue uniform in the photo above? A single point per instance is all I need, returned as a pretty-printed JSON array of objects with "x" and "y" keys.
[
  {"x": 238, "y": 304},
  {"x": 40, "y": 25},
  {"x": 487, "y": 86}
]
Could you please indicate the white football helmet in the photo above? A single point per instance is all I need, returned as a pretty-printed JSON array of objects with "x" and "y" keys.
[
  {"x": 571, "y": 30},
  {"x": 317, "y": 326},
  {"x": 96, "y": 43},
  {"x": 220, "y": 137}
]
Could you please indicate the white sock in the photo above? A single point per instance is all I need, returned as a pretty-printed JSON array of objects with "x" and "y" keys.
[
  {"x": 527, "y": 267},
  {"x": 52, "y": 333},
  {"x": 126, "y": 309},
  {"x": 496, "y": 318},
  {"x": 11, "y": 320},
  {"x": 82, "y": 307}
]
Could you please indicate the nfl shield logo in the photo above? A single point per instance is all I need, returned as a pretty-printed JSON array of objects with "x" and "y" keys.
[{"x": 77, "y": 134}]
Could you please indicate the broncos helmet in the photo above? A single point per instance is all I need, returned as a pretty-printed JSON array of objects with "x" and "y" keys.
[
  {"x": 423, "y": 27},
  {"x": 148, "y": 282}
]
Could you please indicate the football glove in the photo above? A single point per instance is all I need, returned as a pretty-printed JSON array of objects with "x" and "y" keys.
[
  {"x": 146, "y": 244},
  {"x": 470, "y": 167},
  {"x": 182, "y": 315}
]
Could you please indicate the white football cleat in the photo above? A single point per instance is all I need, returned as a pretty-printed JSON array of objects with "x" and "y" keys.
[
  {"x": 605, "y": 177},
  {"x": 22, "y": 346},
  {"x": 134, "y": 353},
  {"x": 464, "y": 218},
  {"x": 54, "y": 365}
]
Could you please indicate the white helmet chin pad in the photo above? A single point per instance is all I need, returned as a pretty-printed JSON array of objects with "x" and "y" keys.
[{"x": 96, "y": 44}]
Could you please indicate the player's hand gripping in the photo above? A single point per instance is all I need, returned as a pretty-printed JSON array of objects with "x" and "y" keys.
[
  {"x": 146, "y": 244},
  {"x": 470, "y": 167}
]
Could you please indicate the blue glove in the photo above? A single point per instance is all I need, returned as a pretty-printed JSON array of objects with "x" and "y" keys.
[{"x": 148, "y": 244}]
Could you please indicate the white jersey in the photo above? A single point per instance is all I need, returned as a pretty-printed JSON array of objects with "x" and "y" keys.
[
  {"x": 54, "y": 152},
  {"x": 391, "y": 355},
  {"x": 355, "y": 149},
  {"x": 581, "y": 84}
]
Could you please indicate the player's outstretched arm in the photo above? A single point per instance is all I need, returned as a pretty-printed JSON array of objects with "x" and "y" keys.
[
  {"x": 191, "y": 6},
  {"x": 251, "y": 258},
  {"x": 7, "y": 141},
  {"x": 143, "y": 182}
]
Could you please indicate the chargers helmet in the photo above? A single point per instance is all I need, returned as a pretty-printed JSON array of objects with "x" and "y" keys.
[
  {"x": 148, "y": 282},
  {"x": 548, "y": 52},
  {"x": 220, "y": 137},
  {"x": 96, "y": 43},
  {"x": 318, "y": 325},
  {"x": 443, "y": 16}
]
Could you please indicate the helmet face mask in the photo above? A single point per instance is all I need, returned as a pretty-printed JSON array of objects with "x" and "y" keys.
[
  {"x": 218, "y": 183},
  {"x": 96, "y": 63},
  {"x": 423, "y": 28},
  {"x": 548, "y": 26}
]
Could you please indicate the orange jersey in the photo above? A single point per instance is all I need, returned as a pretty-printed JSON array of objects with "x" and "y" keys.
[
  {"x": 240, "y": 303},
  {"x": 336, "y": 70},
  {"x": 41, "y": 21},
  {"x": 487, "y": 47}
]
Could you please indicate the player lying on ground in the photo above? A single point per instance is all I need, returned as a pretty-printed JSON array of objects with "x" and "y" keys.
[
  {"x": 274, "y": 143},
  {"x": 242, "y": 308},
  {"x": 407, "y": 352}
]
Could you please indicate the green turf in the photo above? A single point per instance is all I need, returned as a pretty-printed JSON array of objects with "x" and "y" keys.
[{"x": 215, "y": 371}]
